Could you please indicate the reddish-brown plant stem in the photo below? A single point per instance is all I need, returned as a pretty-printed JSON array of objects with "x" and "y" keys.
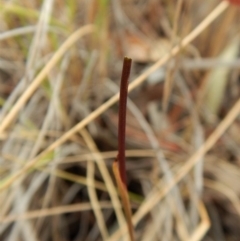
[{"x": 122, "y": 117}]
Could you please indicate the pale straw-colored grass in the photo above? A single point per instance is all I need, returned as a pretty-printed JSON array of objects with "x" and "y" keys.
[{"x": 57, "y": 144}]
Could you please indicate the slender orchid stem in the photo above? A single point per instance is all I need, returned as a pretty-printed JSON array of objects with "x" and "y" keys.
[{"x": 122, "y": 117}]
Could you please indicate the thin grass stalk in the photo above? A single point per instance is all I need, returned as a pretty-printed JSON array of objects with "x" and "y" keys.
[
  {"x": 122, "y": 117},
  {"x": 119, "y": 166}
]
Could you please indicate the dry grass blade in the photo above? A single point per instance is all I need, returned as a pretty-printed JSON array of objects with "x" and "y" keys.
[
  {"x": 169, "y": 78},
  {"x": 17, "y": 32},
  {"x": 53, "y": 211},
  {"x": 37, "y": 81},
  {"x": 109, "y": 155},
  {"x": 92, "y": 190},
  {"x": 74, "y": 178},
  {"x": 203, "y": 227},
  {"x": 125, "y": 200}
]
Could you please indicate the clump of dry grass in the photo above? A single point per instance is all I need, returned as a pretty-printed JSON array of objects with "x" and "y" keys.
[{"x": 60, "y": 65}]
